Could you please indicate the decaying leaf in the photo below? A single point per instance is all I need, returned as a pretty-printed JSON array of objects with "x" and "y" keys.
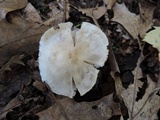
[
  {"x": 40, "y": 86},
  {"x": 19, "y": 29},
  {"x": 19, "y": 33},
  {"x": 54, "y": 9},
  {"x": 109, "y": 3},
  {"x": 56, "y": 15},
  {"x": 134, "y": 24},
  {"x": 94, "y": 12},
  {"x": 14, "y": 59},
  {"x": 115, "y": 69},
  {"x": 96, "y": 110},
  {"x": 153, "y": 38},
  {"x": 13, "y": 103},
  {"x": 15, "y": 84},
  {"x": 31, "y": 14},
  {"x": 10, "y": 5},
  {"x": 54, "y": 20},
  {"x": 145, "y": 108}
]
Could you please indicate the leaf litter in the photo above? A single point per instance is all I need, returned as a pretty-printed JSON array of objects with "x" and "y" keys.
[
  {"x": 127, "y": 86},
  {"x": 10, "y": 5}
]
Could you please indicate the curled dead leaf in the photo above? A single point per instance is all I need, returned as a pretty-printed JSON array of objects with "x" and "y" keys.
[
  {"x": 134, "y": 24},
  {"x": 11, "y": 5}
]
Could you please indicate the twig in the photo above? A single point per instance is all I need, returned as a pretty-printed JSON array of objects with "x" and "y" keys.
[
  {"x": 20, "y": 39},
  {"x": 135, "y": 83},
  {"x": 52, "y": 96},
  {"x": 65, "y": 9},
  {"x": 3, "y": 111},
  {"x": 150, "y": 95},
  {"x": 62, "y": 4}
]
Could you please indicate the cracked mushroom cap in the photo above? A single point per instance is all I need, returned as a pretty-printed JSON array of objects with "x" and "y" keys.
[
  {"x": 153, "y": 38},
  {"x": 68, "y": 59}
]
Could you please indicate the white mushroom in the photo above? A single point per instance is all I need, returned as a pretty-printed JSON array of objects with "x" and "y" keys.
[{"x": 68, "y": 59}]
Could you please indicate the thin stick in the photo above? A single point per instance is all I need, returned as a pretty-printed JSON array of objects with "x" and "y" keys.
[{"x": 52, "y": 96}]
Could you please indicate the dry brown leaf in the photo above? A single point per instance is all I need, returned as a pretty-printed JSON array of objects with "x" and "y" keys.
[
  {"x": 11, "y": 5},
  {"x": 94, "y": 12},
  {"x": 58, "y": 18},
  {"x": 145, "y": 108},
  {"x": 17, "y": 30},
  {"x": 56, "y": 15},
  {"x": 104, "y": 109},
  {"x": 13, "y": 103},
  {"x": 148, "y": 105},
  {"x": 134, "y": 24},
  {"x": 54, "y": 9},
  {"x": 138, "y": 73},
  {"x": 106, "y": 1},
  {"x": 14, "y": 59},
  {"x": 40, "y": 86},
  {"x": 114, "y": 70},
  {"x": 31, "y": 14},
  {"x": 109, "y": 3},
  {"x": 18, "y": 37}
]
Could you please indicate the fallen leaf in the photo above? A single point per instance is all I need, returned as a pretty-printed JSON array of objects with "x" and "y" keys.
[
  {"x": 15, "y": 84},
  {"x": 54, "y": 9},
  {"x": 56, "y": 15},
  {"x": 14, "y": 59},
  {"x": 40, "y": 86},
  {"x": 31, "y": 14},
  {"x": 145, "y": 108},
  {"x": 96, "y": 110},
  {"x": 106, "y": 1},
  {"x": 17, "y": 29},
  {"x": 18, "y": 37},
  {"x": 153, "y": 38},
  {"x": 11, "y": 5},
  {"x": 141, "y": 109},
  {"x": 114, "y": 70},
  {"x": 134, "y": 24},
  {"x": 94, "y": 12},
  {"x": 13, "y": 103},
  {"x": 137, "y": 72},
  {"x": 55, "y": 20},
  {"x": 109, "y": 3}
]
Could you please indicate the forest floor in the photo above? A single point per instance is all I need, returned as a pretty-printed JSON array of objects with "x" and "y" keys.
[{"x": 128, "y": 84}]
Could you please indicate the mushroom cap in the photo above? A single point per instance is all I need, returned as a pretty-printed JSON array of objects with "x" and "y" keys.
[{"x": 68, "y": 58}]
